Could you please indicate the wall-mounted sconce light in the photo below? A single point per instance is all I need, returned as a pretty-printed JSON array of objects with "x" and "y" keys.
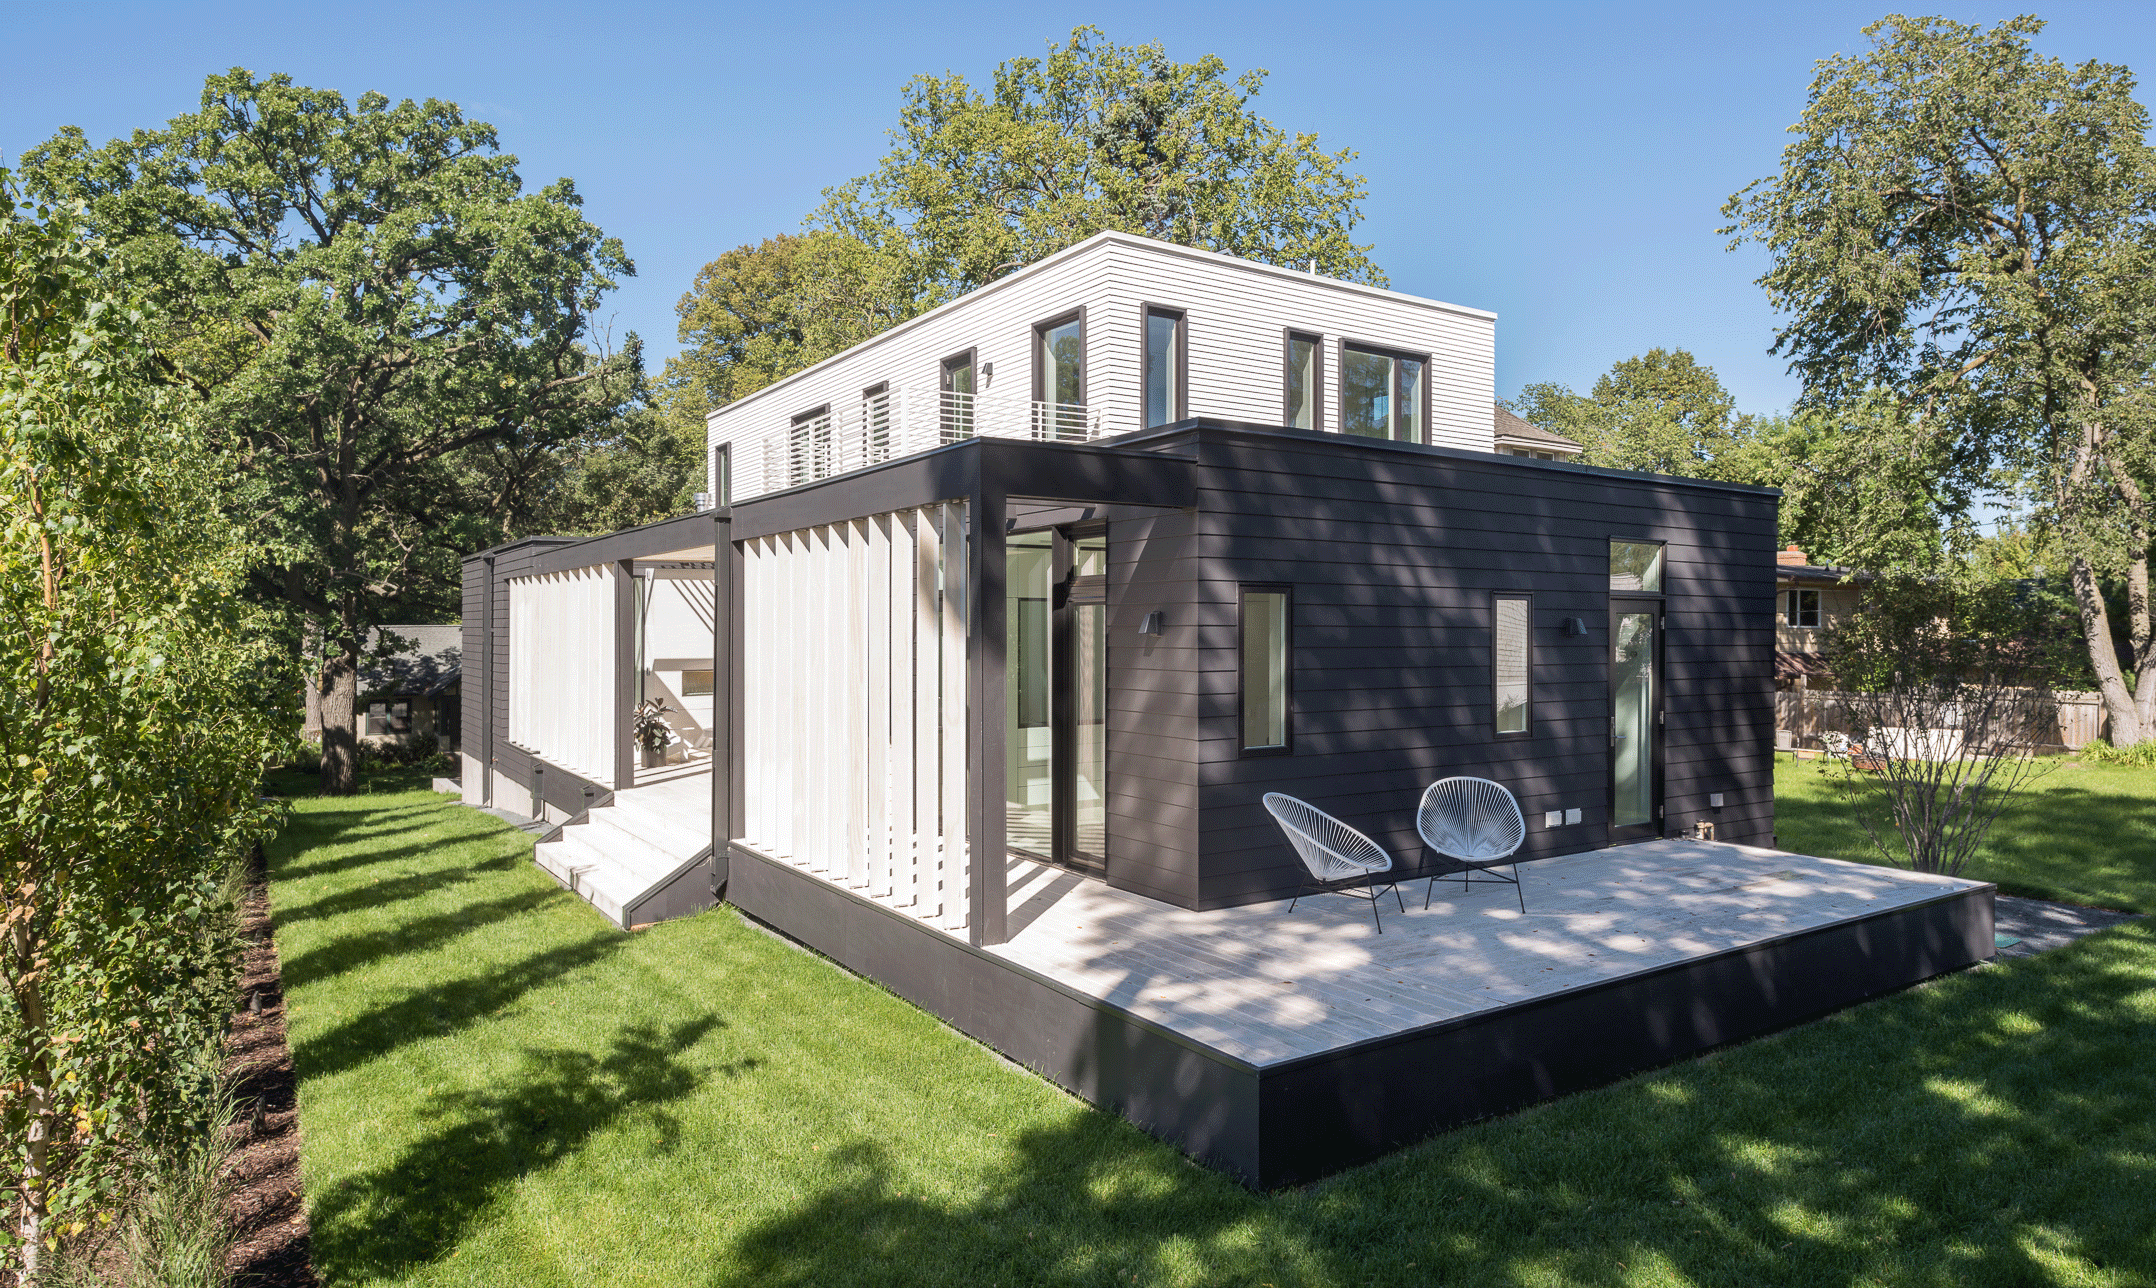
[
  {"x": 988, "y": 373},
  {"x": 1155, "y": 623},
  {"x": 1575, "y": 626}
]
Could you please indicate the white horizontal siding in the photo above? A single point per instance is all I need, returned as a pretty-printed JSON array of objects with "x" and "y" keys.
[{"x": 1238, "y": 314}]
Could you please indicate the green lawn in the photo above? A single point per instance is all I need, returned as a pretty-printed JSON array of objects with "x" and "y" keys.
[
  {"x": 2084, "y": 833},
  {"x": 497, "y": 1089}
]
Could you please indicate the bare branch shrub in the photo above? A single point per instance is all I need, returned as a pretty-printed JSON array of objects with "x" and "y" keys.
[{"x": 1951, "y": 684}]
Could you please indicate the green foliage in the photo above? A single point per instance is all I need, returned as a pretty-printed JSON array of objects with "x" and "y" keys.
[
  {"x": 389, "y": 334},
  {"x": 1969, "y": 229},
  {"x": 1097, "y": 136},
  {"x": 133, "y": 727},
  {"x": 2141, "y": 755},
  {"x": 1662, "y": 412},
  {"x": 641, "y": 467}
]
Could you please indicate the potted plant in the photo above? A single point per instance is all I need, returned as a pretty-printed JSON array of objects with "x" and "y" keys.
[{"x": 648, "y": 726}]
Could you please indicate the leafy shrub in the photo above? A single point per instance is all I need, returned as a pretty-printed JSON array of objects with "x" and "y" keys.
[{"x": 2141, "y": 755}]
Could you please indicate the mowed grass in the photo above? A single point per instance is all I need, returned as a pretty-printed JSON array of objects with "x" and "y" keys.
[
  {"x": 498, "y": 1089},
  {"x": 2083, "y": 833}
]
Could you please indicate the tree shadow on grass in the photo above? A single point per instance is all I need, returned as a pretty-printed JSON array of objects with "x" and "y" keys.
[
  {"x": 383, "y": 1223},
  {"x": 442, "y": 1008},
  {"x": 1990, "y": 1128},
  {"x": 350, "y": 952}
]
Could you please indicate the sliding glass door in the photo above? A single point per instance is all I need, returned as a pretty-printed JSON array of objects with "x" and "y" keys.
[{"x": 1056, "y": 698}]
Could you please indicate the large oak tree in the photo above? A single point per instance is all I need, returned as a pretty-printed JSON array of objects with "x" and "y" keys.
[
  {"x": 1969, "y": 229},
  {"x": 362, "y": 291}
]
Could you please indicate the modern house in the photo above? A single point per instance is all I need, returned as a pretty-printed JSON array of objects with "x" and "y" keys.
[{"x": 1017, "y": 610}]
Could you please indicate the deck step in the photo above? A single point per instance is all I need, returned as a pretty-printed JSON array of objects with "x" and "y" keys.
[{"x": 621, "y": 853}]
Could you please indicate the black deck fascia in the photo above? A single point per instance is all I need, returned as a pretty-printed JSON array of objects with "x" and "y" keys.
[{"x": 1298, "y": 1120}]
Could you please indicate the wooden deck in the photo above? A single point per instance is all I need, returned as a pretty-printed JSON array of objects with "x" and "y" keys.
[
  {"x": 1280, "y": 1045},
  {"x": 1264, "y": 985}
]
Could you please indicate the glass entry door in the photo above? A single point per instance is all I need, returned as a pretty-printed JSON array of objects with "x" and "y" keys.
[
  {"x": 1635, "y": 718},
  {"x": 1056, "y": 698}
]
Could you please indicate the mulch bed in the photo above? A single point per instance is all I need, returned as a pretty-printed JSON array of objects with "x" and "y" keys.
[{"x": 270, "y": 1247}]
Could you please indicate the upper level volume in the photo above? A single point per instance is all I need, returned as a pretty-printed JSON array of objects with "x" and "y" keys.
[{"x": 1115, "y": 335}]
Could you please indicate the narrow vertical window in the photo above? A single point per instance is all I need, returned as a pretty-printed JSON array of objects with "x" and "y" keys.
[
  {"x": 955, "y": 387},
  {"x": 722, "y": 474},
  {"x": 1163, "y": 367},
  {"x": 1301, "y": 410},
  {"x": 1059, "y": 378},
  {"x": 808, "y": 446},
  {"x": 1266, "y": 669},
  {"x": 1512, "y": 661},
  {"x": 876, "y": 422}
]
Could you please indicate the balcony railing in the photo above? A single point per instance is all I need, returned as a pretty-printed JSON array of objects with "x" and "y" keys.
[{"x": 885, "y": 426}]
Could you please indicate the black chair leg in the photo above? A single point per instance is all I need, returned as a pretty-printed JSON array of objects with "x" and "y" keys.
[{"x": 1518, "y": 889}]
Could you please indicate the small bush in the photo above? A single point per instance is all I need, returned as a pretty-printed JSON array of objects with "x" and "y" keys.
[{"x": 2141, "y": 755}]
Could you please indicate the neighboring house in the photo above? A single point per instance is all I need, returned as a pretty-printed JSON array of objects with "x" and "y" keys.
[
  {"x": 1011, "y": 615},
  {"x": 412, "y": 693},
  {"x": 1515, "y": 437},
  {"x": 1808, "y": 599}
]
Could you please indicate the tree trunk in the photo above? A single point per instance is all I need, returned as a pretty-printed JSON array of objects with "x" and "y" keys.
[
  {"x": 29, "y": 996},
  {"x": 340, "y": 731},
  {"x": 311, "y": 680},
  {"x": 2127, "y": 728}
]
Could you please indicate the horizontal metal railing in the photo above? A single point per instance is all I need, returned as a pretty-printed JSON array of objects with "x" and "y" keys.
[{"x": 776, "y": 455}]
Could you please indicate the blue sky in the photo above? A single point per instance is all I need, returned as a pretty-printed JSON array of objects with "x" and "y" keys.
[{"x": 1561, "y": 164}]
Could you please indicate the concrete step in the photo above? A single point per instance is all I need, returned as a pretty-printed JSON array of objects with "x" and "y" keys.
[
  {"x": 588, "y": 874},
  {"x": 682, "y": 838}
]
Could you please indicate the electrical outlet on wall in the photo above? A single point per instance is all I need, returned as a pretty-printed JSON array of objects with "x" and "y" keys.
[
  {"x": 1553, "y": 818},
  {"x": 1714, "y": 800},
  {"x": 1572, "y": 816}
]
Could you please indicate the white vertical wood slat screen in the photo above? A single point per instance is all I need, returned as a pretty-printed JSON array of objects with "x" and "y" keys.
[
  {"x": 561, "y": 669},
  {"x": 855, "y": 711}
]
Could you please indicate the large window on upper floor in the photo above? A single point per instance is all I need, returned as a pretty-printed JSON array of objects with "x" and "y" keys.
[
  {"x": 1299, "y": 390},
  {"x": 954, "y": 385},
  {"x": 1382, "y": 393},
  {"x": 1059, "y": 377},
  {"x": 1166, "y": 383},
  {"x": 808, "y": 446}
]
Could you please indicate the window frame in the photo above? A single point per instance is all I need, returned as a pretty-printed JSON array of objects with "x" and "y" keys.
[
  {"x": 798, "y": 473},
  {"x": 871, "y": 450},
  {"x": 1392, "y": 398},
  {"x": 1180, "y": 395},
  {"x": 1662, "y": 563},
  {"x": 1528, "y": 731},
  {"x": 1793, "y": 609},
  {"x": 1040, "y": 336},
  {"x": 1243, "y": 591},
  {"x": 965, "y": 359},
  {"x": 1316, "y": 396},
  {"x": 721, "y": 479}
]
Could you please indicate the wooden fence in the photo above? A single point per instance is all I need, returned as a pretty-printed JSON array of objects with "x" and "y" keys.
[{"x": 1806, "y": 714}]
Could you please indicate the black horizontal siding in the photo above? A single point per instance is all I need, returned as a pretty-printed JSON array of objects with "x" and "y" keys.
[{"x": 1393, "y": 558}]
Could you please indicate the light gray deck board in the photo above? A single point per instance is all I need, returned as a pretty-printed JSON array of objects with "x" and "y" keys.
[{"x": 1265, "y": 985}]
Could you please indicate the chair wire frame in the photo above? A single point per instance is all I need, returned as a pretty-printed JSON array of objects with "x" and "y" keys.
[
  {"x": 1335, "y": 856},
  {"x": 1476, "y": 822}
]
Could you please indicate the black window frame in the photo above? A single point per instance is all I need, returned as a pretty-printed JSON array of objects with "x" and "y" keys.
[
  {"x": 1638, "y": 541},
  {"x": 1243, "y": 591},
  {"x": 946, "y": 423},
  {"x": 1316, "y": 341},
  {"x": 803, "y": 470},
  {"x": 1181, "y": 392},
  {"x": 875, "y": 450},
  {"x": 721, "y": 481},
  {"x": 1527, "y": 598},
  {"x": 1085, "y": 342},
  {"x": 1393, "y": 397}
]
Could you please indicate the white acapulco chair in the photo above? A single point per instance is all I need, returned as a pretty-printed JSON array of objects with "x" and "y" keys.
[
  {"x": 1476, "y": 822},
  {"x": 1334, "y": 854}
]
